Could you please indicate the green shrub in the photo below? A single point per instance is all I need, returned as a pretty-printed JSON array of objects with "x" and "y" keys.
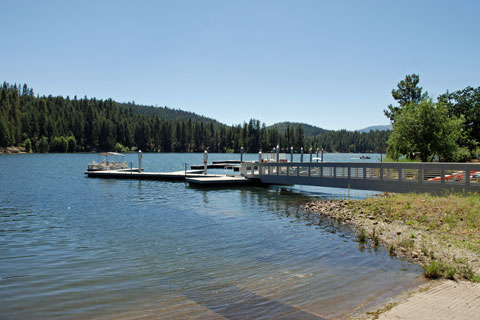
[
  {"x": 433, "y": 270},
  {"x": 120, "y": 147},
  {"x": 28, "y": 145},
  {"x": 72, "y": 144},
  {"x": 463, "y": 155},
  {"x": 59, "y": 144},
  {"x": 375, "y": 238},
  {"x": 362, "y": 237},
  {"x": 43, "y": 145}
]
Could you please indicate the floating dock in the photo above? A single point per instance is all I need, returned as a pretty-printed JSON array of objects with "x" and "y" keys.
[
  {"x": 121, "y": 174},
  {"x": 220, "y": 180},
  {"x": 218, "y": 165},
  {"x": 191, "y": 176},
  {"x": 195, "y": 176}
]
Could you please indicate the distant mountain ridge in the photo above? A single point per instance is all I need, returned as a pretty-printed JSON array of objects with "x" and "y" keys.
[
  {"x": 374, "y": 128},
  {"x": 308, "y": 129},
  {"x": 166, "y": 113}
]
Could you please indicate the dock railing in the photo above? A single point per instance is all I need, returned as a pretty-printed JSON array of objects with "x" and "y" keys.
[{"x": 384, "y": 176}]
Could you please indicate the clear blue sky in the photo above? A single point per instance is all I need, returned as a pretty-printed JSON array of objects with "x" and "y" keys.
[{"x": 331, "y": 64}]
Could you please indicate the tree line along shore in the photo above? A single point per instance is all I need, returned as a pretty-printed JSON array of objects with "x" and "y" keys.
[
  {"x": 57, "y": 124},
  {"x": 422, "y": 129}
]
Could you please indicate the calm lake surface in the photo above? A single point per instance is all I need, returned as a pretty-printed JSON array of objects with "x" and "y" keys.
[{"x": 76, "y": 248}]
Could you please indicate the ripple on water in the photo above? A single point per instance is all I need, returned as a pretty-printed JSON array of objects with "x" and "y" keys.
[{"x": 73, "y": 247}]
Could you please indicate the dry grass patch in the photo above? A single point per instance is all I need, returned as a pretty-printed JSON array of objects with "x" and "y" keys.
[{"x": 454, "y": 217}]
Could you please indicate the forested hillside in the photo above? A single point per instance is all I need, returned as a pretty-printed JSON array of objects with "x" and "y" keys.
[
  {"x": 58, "y": 124},
  {"x": 308, "y": 129}
]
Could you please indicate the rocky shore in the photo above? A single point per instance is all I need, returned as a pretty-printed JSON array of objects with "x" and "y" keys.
[
  {"x": 379, "y": 225},
  {"x": 9, "y": 150},
  {"x": 417, "y": 245}
]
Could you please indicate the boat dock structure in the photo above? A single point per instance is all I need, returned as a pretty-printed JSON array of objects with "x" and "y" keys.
[
  {"x": 191, "y": 176},
  {"x": 375, "y": 176},
  {"x": 274, "y": 168}
]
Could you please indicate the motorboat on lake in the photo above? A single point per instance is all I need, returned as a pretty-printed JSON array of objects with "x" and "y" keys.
[{"x": 117, "y": 163}]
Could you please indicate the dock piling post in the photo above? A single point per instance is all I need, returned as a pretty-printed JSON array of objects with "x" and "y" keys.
[
  {"x": 139, "y": 161},
  {"x": 301, "y": 154},
  {"x": 278, "y": 153},
  {"x": 241, "y": 154},
  {"x": 322, "y": 155},
  {"x": 291, "y": 154},
  {"x": 260, "y": 156},
  {"x": 310, "y": 154},
  {"x": 205, "y": 159},
  {"x": 317, "y": 154}
]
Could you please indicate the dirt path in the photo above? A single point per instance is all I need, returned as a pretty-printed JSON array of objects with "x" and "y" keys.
[{"x": 442, "y": 300}]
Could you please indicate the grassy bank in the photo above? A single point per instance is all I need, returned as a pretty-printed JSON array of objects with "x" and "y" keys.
[{"x": 442, "y": 233}]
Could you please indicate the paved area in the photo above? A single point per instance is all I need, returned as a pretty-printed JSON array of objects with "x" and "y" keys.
[{"x": 443, "y": 300}]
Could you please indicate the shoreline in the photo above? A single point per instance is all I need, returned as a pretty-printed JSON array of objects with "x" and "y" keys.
[{"x": 418, "y": 245}]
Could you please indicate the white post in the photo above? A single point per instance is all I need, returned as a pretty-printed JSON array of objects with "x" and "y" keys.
[
  {"x": 139, "y": 161},
  {"x": 205, "y": 159},
  {"x": 259, "y": 156}
]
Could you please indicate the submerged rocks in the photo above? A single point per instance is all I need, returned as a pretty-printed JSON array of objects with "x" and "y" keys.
[{"x": 419, "y": 246}]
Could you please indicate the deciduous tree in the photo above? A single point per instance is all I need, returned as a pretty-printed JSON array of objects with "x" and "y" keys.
[{"x": 426, "y": 129}]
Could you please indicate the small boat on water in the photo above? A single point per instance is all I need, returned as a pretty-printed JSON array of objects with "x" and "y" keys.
[
  {"x": 105, "y": 164},
  {"x": 364, "y": 157}
]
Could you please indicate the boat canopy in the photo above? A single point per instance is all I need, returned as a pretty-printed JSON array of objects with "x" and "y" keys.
[{"x": 106, "y": 154}]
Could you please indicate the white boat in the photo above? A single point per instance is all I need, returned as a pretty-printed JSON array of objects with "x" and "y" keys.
[{"x": 106, "y": 164}]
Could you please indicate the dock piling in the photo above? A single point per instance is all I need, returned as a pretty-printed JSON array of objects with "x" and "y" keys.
[
  {"x": 205, "y": 159},
  {"x": 139, "y": 161}
]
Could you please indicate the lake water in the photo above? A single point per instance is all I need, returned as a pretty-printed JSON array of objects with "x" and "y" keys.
[{"x": 78, "y": 248}]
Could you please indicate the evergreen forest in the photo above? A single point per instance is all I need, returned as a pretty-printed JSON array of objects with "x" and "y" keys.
[{"x": 58, "y": 124}]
